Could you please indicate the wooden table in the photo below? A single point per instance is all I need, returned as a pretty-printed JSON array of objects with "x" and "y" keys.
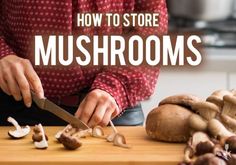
[{"x": 93, "y": 152}]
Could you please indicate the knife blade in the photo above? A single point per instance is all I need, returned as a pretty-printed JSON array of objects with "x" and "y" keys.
[{"x": 49, "y": 106}]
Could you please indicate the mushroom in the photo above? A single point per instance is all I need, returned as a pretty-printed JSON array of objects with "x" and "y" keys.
[
  {"x": 120, "y": 141},
  {"x": 188, "y": 154},
  {"x": 197, "y": 145},
  {"x": 206, "y": 109},
  {"x": 37, "y": 135},
  {"x": 43, "y": 144},
  {"x": 185, "y": 100},
  {"x": 232, "y": 160},
  {"x": 111, "y": 137},
  {"x": 169, "y": 123},
  {"x": 217, "y": 129},
  {"x": 20, "y": 132},
  {"x": 70, "y": 137},
  {"x": 209, "y": 159},
  {"x": 229, "y": 107},
  {"x": 70, "y": 142},
  {"x": 217, "y": 97},
  {"x": 231, "y": 142},
  {"x": 229, "y": 122},
  {"x": 98, "y": 132},
  {"x": 58, "y": 134},
  {"x": 197, "y": 123},
  {"x": 83, "y": 133}
]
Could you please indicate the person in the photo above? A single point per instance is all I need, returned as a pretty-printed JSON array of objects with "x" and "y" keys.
[{"x": 94, "y": 94}]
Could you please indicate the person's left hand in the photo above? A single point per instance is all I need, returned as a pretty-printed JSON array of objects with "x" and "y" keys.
[{"x": 97, "y": 108}]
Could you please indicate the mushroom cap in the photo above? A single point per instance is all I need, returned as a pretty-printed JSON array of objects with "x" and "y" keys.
[
  {"x": 119, "y": 140},
  {"x": 37, "y": 137},
  {"x": 185, "y": 100},
  {"x": 209, "y": 159},
  {"x": 231, "y": 141},
  {"x": 110, "y": 138},
  {"x": 70, "y": 142},
  {"x": 17, "y": 134},
  {"x": 232, "y": 159},
  {"x": 169, "y": 123},
  {"x": 98, "y": 132},
  {"x": 204, "y": 147},
  {"x": 230, "y": 98},
  {"x": 206, "y": 109},
  {"x": 217, "y": 97}
]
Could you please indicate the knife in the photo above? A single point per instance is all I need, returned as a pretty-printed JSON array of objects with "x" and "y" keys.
[{"x": 49, "y": 106}]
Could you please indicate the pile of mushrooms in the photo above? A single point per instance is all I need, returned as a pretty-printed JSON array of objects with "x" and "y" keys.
[
  {"x": 208, "y": 126},
  {"x": 71, "y": 136}
]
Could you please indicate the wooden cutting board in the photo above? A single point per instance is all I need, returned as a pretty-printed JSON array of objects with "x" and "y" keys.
[{"x": 93, "y": 152}]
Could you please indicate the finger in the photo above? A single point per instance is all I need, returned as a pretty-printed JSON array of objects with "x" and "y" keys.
[
  {"x": 106, "y": 117},
  {"x": 34, "y": 80},
  {"x": 79, "y": 110},
  {"x": 3, "y": 85},
  {"x": 88, "y": 109},
  {"x": 24, "y": 87},
  {"x": 12, "y": 86},
  {"x": 98, "y": 115}
]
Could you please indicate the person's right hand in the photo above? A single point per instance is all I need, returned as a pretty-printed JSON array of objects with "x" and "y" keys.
[{"x": 17, "y": 78}]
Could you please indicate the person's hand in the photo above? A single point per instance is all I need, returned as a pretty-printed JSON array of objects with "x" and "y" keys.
[
  {"x": 17, "y": 78},
  {"x": 97, "y": 108}
]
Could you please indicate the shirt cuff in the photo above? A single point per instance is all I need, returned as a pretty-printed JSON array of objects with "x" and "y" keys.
[
  {"x": 114, "y": 87},
  {"x": 5, "y": 49}
]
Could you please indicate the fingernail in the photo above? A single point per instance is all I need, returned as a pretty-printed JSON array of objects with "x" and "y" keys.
[{"x": 28, "y": 104}]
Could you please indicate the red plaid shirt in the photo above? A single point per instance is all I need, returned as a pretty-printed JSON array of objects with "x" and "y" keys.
[{"x": 22, "y": 19}]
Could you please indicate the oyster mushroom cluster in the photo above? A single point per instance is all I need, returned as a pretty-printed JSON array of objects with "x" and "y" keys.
[
  {"x": 71, "y": 136},
  {"x": 207, "y": 125}
]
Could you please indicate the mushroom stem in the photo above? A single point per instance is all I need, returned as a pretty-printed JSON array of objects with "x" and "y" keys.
[
  {"x": 113, "y": 127},
  {"x": 217, "y": 129},
  {"x": 14, "y": 123},
  {"x": 43, "y": 144}
]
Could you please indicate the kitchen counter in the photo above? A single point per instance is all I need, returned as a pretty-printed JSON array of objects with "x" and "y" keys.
[{"x": 94, "y": 151}]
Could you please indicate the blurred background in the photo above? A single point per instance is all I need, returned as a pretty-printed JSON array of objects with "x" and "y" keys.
[{"x": 216, "y": 21}]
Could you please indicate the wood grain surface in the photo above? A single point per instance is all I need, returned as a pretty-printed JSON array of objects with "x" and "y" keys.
[{"x": 93, "y": 152}]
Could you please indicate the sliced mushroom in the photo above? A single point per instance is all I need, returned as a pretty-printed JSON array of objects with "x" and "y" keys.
[
  {"x": 37, "y": 134},
  {"x": 120, "y": 141},
  {"x": 98, "y": 132},
  {"x": 229, "y": 108},
  {"x": 58, "y": 134},
  {"x": 206, "y": 109},
  {"x": 83, "y": 133},
  {"x": 70, "y": 142},
  {"x": 111, "y": 137},
  {"x": 218, "y": 130},
  {"x": 197, "y": 123},
  {"x": 43, "y": 144},
  {"x": 217, "y": 97},
  {"x": 20, "y": 132},
  {"x": 185, "y": 100}
]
